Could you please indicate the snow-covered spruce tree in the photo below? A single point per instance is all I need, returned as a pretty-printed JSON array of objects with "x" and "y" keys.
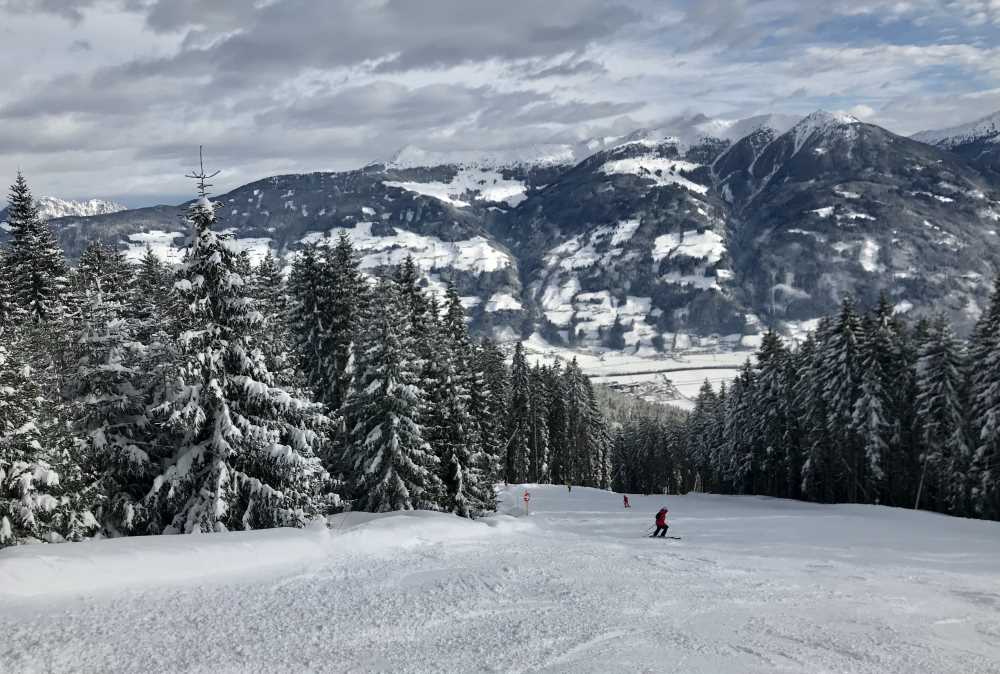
[
  {"x": 104, "y": 270},
  {"x": 576, "y": 464},
  {"x": 392, "y": 466},
  {"x": 245, "y": 457},
  {"x": 556, "y": 424},
  {"x": 772, "y": 417},
  {"x": 816, "y": 482},
  {"x": 26, "y": 479},
  {"x": 872, "y": 410},
  {"x": 491, "y": 412},
  {"x": 985, "y": 415},
  {"x": 345, "y": 302},
  {"x": 587, "y": 437},
  {"x": 43, "y": 492},
  {"x": 449, "y": 426},
  {"x": 518, "y": 452},
  {"x": 538, "y": 427},
  {"x": 471, "y": 380},
  {"x": 600, "y": 442},
  {"x": 414, "y": 301},
  {"x": 37, "y": 273},
  {"x": 111, "y": 409},
  {"x": 150, "y": 301},
  {"x": 795, "y": 427},
  {"x": 700, "y": 424},
  {"x": 897, "y": 354},
  {"x": 308, "y": 325},
  {"x": 718, "y": 447},
  {"x": 840, "y": 372},
  {"x": 941, "y": 407},
  {"x": 273, "y": 339},
  {"x": 739, "y": 468}
]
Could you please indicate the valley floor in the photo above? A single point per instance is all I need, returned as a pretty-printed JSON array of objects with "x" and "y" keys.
[{"x": 754, "y": 585}]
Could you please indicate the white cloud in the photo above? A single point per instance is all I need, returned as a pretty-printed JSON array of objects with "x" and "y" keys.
[{"x": 334, "y": 85}]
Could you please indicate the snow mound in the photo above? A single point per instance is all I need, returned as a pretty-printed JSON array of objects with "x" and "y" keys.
[
  {"x": 98, "y": 565},
  {"x": 107, "y": 565}
]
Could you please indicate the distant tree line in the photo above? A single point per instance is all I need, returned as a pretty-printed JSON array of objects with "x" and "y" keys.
[{"x": 868, "y": 409}]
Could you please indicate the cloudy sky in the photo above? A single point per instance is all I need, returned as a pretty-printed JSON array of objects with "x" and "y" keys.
[{"x": 112, "y": 98}]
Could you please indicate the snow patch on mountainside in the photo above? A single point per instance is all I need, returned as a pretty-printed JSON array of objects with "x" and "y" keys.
[
  {"x": 429, "y": 252},
  {"x": 658, "y": 169},
  {"x": 503, "y": 302},
  {"x": 707, "y": 244},
  {"x": 255, "y": 247},
  {"x": 163, "y": 244},
  {"x": 868, "y": 256},
  {"x": 482, "y": 184}
]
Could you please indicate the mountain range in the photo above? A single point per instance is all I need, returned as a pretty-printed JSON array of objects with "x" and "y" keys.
[
  {"x": 50, "y": 208},
  {"x": 697, "y": 233}
]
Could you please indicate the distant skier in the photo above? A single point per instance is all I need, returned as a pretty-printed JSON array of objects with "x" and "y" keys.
[
  {"x": 569, "y": 487},
  {"x": 625, "y": 496},
  {"x": 661, "y": 523}
]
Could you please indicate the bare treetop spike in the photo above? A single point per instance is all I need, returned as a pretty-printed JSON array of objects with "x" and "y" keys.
[{"x": 201, "y": 176}]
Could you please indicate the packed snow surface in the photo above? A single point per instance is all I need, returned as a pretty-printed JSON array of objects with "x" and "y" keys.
[{"x": 754, "y": 585}]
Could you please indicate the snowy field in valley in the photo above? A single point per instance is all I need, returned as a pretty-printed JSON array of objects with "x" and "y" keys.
[
  {"x": 754, "y": 585},
  {"x": 672, "y": 378}
]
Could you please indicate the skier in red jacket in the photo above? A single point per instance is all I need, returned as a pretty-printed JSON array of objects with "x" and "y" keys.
[
  {"x": 626, "y": 501},
  {"x": 661, "y": 523}
]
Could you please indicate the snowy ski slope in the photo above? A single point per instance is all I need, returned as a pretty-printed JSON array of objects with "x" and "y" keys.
[{"x": 755, "y": 585}]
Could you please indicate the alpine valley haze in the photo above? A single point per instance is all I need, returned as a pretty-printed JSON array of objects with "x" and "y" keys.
[{"x": 463, "y": 336}]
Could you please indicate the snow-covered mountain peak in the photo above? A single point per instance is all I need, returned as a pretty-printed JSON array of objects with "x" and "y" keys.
[
  {"x": 52, "y": 207},
  {"x": 985, "y": 128},
  {"x": 822, "y": 120},
  {"x": 820, "y": 123}
]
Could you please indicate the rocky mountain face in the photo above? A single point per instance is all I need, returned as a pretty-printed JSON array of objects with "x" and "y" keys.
[
  {"x": 977, "y": 142},
  {"x": 837, "y": 206},
  {"x": 661, "y": 240},
  {"x": 51, "y": 207}
]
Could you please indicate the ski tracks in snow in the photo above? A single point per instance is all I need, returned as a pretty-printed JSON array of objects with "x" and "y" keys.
[{"x": 572, "y": 588}]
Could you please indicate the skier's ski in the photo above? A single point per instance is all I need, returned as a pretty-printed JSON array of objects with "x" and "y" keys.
[{"x": 676, "y": 538}]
